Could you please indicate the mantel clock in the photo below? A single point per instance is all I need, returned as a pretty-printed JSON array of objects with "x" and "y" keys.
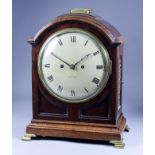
[{"x": 77, "y": 79}]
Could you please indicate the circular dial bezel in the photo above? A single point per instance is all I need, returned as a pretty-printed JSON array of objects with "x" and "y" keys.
[{"x": 105, "y": 55}]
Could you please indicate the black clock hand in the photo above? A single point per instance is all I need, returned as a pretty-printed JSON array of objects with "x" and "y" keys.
[
  {"x": 71, "y": 66},
  {"x": 85, "y": 57}
]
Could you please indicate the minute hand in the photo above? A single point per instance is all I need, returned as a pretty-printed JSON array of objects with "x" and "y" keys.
[
  {"x": 61, "y": 59},
  {"x": 85, "y": 57}
]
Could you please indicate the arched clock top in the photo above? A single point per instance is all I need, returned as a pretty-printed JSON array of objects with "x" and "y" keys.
[{"x": 87, "y": 21}]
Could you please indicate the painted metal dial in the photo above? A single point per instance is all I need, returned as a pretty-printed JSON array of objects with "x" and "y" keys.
[{"x": 74, "y": 65}]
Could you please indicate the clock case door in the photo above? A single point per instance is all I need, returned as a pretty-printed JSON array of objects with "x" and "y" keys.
[{"x": 52, "y": 117}]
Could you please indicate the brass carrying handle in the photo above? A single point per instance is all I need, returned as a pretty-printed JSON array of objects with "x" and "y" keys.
[{"x": 81, "y": 11}]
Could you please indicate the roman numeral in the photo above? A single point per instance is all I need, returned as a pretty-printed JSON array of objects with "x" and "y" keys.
[
  {"x": 73, "y": 39},
  {"x": 95, "y": 80},
  {"x": 95, "y": 53},
  {"x": 60, "y": 88},
  {"x": 86, "y": 43},
  {"x": 72, "y": 93},
  {"x": 99, "y": 66},
  {"x": 86, "y": 90},
  {"x": 50, "y": 78},
  {"x": 60, "y": 42},
  {"x": 47, "y": 65}
]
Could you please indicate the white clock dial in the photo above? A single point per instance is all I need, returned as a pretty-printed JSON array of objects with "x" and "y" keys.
[{"x": 73, "y": 65}]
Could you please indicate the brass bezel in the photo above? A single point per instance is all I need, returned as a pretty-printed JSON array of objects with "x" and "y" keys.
[{"x": 108, "y": 64}]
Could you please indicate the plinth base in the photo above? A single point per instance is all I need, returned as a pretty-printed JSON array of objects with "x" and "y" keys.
[{"x": 77, "y": 130}]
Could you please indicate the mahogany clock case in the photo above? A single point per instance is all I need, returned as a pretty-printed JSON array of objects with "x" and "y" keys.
[
  {"x": 28, "y": 18},
  {"x": 105, "y": 108}
]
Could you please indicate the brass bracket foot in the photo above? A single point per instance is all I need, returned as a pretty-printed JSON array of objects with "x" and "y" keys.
[
  {"x": 28, "y": 137},
  {"x": 127, "y": 129},
  {"x": 118, "y": 143}
]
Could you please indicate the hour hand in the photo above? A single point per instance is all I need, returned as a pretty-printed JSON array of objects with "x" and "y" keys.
[
  {"x": 85, "y": 57},
  {"x": 61, "y": 60}
]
